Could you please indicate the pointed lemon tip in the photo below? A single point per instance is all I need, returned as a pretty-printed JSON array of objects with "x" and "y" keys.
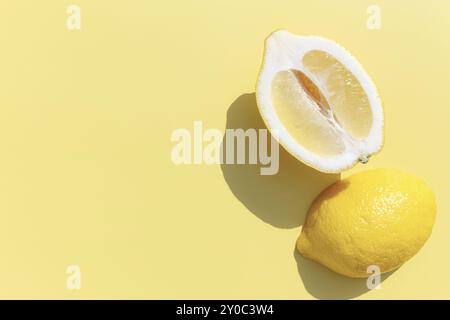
[{"x": 303, "y": 245}]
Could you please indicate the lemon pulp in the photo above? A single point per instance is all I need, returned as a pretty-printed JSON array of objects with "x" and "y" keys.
[{"x": 327, "y": 113}]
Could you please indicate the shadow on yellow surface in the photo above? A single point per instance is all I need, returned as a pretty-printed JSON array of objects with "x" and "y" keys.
[{"x": 283, "y": 199}]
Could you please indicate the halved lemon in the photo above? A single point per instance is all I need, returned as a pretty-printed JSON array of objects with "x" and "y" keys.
[{"x": 318, "y": 102}]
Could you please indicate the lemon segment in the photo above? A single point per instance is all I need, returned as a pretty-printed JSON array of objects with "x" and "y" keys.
[
  {"x": 344, "y": 92},
  {"x": 379, "y": 217},
  {"x": 293, "y": 106}
]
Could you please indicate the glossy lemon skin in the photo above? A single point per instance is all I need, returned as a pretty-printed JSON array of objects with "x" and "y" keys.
[{"x": 379, "y": 217}]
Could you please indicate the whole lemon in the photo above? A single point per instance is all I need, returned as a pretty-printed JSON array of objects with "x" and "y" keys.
[{"x": 379, "y": 217}]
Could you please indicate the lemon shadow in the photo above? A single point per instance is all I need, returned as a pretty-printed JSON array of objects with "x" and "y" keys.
[{"x": 282, "y": 199}]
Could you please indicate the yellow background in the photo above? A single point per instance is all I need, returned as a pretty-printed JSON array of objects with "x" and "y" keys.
[{"x": 86, "y": 176}]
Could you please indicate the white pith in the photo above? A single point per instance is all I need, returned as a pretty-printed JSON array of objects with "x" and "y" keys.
[{"x": 284, "y": 51}]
